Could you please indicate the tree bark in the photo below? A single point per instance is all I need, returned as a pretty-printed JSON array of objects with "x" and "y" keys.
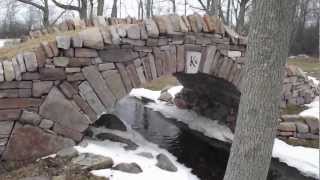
[
  {"x": 91, "y": 9},
  {"x": 114, "y": 11},
  {"x": 100, "y": 7},
  {"x": 242, "y": 13},
  {"x": 149, "y": 8},
  {"x": 228, "y": 12},
  {"x": 261, "y": 88}
]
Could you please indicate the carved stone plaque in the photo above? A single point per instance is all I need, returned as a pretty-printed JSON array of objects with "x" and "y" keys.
[{"x": 193, "y": 62}]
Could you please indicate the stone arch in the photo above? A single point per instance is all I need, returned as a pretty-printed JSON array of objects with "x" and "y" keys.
[{"x": 54, "y": 92}]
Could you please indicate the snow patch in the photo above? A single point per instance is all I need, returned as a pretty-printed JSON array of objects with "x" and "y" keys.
[
  {"x": 117, "y": 152},
  {"x": 313, "y": 109},
  {"x": 146, "y": 93},
  {"x": 306, "y": 160},
  {"x": 315, "y": 80}
]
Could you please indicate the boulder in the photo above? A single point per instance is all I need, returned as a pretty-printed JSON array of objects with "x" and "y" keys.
[
  {"x": 29, "y": 117},
  {"x": 90, "y": 162},
  {"x": 85, "y": 53},
  {"x": 132, "y": 168},
  {"x": 133, "y": 31},
  {"x": 146, "y": 155},
  {"x": 67, "y": 153},
  {"x": 28, "y": 142},
  {"x": 287, "y": 126},
  {"x": 302, "y": 127},
  {"x": 166, "y": 96},
  {"x": 46, "y": 124},
  {"x": 165, "y": 163},
  {"x": 63, "y": 42},
  {"x": 111, "y": 137},
  {"x": 16, "y": 68},
  {"x": 61, "y": 61},
  {"x": 41, "y": 88},
  {"x": 313, "y": 123},
  {"x": 9, "y": 74},
  {"x": 92, "y": 38},
  {"x": 31, "y": 62},
  {"x": 5, "y": 128},
  {"x": 111, "y": 122},
  {"x": 68, "y": 120}
]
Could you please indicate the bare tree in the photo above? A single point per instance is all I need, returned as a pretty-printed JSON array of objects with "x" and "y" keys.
[
  {"x": 81, "y": 8},
  {"x": 100, "y": 7},
  {"x": 228, "y": 12},
  {"x": 174, "y": 6},
  {"x": 257, "y": 122},
  {"x": 211, "y": 7},
  {"x": 43, "y": 7},
  {"x": 140, "y": 9},
  {"x": 149, "y": 5},
  {"x": 114, "y": 11},
  {"x": 240, "y": 18}
]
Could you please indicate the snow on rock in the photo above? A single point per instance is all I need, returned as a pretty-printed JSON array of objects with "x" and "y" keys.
[
  {"x": 117, "y": 152},
  {"x": 313, "y": 109},
  {"x": 306, "y": 160},
  {"x": 146, "y": 93},
  {"x": 175, "y": 90},
  {"x": 196, "y": 122},
  {"x": 315, "y": 80}
]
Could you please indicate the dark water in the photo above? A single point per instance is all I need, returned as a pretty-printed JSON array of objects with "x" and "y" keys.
[{"x": 207, "y": 157}]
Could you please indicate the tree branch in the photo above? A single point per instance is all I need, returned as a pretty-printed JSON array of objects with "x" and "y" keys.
[
  {"x": 64, "y": 6},
  {"x": 33, "y": 4}
]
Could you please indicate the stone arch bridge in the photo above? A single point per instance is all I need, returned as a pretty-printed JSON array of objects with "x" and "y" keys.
[{"x": 51, "y": 94}]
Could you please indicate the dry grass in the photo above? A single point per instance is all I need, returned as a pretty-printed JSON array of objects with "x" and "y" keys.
[
  {"x": 8, "y": 53},
  {"x": 310, "y": 65},
  {"x": 161, "y": 83}
]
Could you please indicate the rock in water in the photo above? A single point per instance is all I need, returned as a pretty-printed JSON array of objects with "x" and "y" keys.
[
  {"x": 111, "y": 122},
  {"x": 90, "y": 162},
  {"x": 165, "y": 163},
  {"x": 133, "y": 168},
  {"x": 111, "y": 137},
  {"x": 166, "y": 96}
]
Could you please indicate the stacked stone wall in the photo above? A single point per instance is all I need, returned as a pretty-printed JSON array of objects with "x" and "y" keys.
[{"x": 50, "y": 95}]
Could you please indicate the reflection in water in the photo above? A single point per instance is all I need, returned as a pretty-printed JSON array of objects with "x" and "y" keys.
[{"x": 196, "y": 151}]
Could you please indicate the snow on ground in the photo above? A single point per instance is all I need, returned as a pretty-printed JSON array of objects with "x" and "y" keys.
[
  {"x": 313, "y": 109},
  {"x": 117, "y": 152},
  {"x": 315, "y": 80},
  {"x": 304, "y": 159}
]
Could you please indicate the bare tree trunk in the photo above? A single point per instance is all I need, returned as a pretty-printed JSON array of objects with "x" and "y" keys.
[
  {"x": 91, "y": 9},
  {"x": 185, "y": 7},
  {"x": 140, "y": 9},
  {"x": 261, "y": 90},
  {"x": 228, "y": 12},
  {"x": 215, "y": 7},
  {"x": 100, "y": 7},
  {"x": 148, "y": 8},
  {"x": 242, "y": 13},
  {"x": 174, "y": 8},
  {"x": 114, "y": 11}
]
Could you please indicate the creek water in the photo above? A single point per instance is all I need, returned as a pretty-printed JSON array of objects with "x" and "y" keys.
[{"x": 205, "y": 156}]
